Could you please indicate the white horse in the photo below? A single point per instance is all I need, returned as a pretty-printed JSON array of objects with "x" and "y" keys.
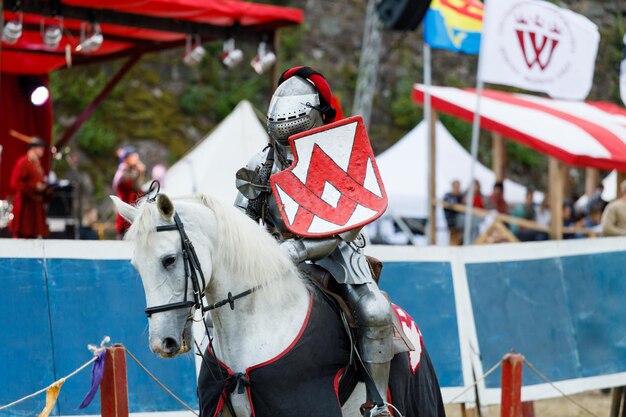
[{"x": 235, "y": 255}]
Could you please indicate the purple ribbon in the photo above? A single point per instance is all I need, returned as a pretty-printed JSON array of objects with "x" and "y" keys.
[{"x": 96, "y": 378}]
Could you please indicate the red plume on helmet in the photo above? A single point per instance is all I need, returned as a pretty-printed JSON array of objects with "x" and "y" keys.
[{"x": 329, "y": 112}]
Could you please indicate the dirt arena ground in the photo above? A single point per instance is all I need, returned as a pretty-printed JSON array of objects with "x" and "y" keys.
[{"x": 595, "y": 401}]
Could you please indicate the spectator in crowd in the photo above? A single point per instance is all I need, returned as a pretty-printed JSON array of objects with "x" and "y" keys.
[
  {"x": 479, "y": 199},
  {"x": 579, "y": 221},
  {"x": 86, "y": 230},
  {"x": 477, "y": 202},
  {"x": 596, "y": 199},
  {"x": 594, "y": 217},
  {"x": 614, "y": 216},
  {"x": 127, "y": 182},
  {"x": 28, "y": 183},
  {"x": 496, "y": 199},
  {"x": 543, "y": 217},
  {"x": 453, "y": 218},
  {"x": 526, "y": 211},
  {"x": 568, "y": 213}
]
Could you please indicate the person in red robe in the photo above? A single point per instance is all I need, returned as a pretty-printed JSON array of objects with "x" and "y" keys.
[
  {"x": 28, "y": 183},
  {"x": 127, "y": 182}
]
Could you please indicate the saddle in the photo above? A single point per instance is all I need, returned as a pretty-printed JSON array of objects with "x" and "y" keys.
[{"x": 324, "y": 281}]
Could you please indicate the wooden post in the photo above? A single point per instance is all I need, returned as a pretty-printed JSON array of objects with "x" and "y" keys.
[
  {"x": 592, "y": 178},
  {"x": 114, "y": 387},
  {"x": 432, "y": 198},
  {"x": 511, "y": 403},
  {"x": 498, "y": 153},
  {"x": 556, "y": 173},
  {"x": 621, "y": 177}
]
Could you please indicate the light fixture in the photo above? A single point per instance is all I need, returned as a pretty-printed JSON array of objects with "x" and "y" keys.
[
  {"x": 34, "y": 90},
  {"x": 91, "y": 38},
  {"x": 194, "y": 52},
  {"x": 52, "y": 34},
  {"x": 40, "y": 95},
  {"x": 264, "y": 60},
  {"x": 231, "y": 57},
  {"x": 12, "y": 30}
]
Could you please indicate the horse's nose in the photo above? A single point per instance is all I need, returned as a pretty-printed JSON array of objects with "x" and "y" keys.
[{"x": 169, "y": 346}]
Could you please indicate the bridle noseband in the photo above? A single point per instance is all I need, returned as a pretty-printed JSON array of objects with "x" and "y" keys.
[{"x": 193, "y": 272}]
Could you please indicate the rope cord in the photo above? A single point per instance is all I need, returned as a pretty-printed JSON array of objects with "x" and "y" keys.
[
  {"x": 569, "y": 398},
  {"x": 89, "y": 362},
  {"x": 478, "y": 381},
  {"x": 184, "y": 404}
]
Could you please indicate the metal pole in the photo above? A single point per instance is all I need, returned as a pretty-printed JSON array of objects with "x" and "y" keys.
[
  {"x": 475, "y": 137},
  {"x": 427, "y": 118}
]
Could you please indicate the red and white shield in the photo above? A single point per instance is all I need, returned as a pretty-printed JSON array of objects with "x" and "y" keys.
[{"x": 333, "y": 184}]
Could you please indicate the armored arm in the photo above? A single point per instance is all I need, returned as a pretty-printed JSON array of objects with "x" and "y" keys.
[{"x": 307, "y": 249}]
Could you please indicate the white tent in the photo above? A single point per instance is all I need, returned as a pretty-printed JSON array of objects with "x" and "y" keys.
[
  {"x": 211, "y": 165},
  {"x": 404, "y": 170}
]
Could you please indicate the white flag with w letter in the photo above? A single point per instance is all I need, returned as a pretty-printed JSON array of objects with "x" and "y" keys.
[{"x": 537, "y": 46}]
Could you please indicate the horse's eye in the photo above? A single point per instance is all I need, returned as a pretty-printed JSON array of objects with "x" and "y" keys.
[{"x": 168, "y": 261}]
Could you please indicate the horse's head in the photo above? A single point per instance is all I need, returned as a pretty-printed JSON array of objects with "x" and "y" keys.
[{"x": 158, "y": 257}]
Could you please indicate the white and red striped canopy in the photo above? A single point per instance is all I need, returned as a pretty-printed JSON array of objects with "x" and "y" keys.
[{"x": 585, "y": 134}]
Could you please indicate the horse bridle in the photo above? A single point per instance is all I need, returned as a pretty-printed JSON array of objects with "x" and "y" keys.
[{"x": 192, "y": 271}]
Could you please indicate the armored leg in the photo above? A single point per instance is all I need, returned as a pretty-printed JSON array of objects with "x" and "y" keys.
[{"x": 372, "y": 312}]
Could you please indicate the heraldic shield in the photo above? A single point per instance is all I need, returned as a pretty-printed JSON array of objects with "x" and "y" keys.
[{"x": 333, "y": 184}]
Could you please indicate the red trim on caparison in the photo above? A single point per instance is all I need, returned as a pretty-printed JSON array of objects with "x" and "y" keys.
[
  {"x": 520, "y": 137},
  {"x": 220, "y": 403},
  {"x": 338, "y": 376},
  {"x": 280, "y": 355},
  {"x": 389, "y": 401},
  {"x": 292, "y": 344}
]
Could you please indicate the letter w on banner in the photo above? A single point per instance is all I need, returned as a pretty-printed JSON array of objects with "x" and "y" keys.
[
  {"x": 535, "y": 45},
  {"x": 333, "y": 185}
]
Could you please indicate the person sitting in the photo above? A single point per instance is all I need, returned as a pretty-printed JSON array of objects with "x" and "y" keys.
[
  {"x": 453, "y": 218},
  {"x": 496, "y": 199},
  {"x": 526, "y": 211},
  {"x": 614, "y": 217}
]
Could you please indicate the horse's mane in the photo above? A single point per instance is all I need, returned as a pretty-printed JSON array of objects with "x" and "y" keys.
[{"x": 238, "y": 238}]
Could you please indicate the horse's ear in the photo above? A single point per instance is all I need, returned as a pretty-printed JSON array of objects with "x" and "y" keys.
[
  {"x": 124, "y": 209},
  {"x": 165, "y": 206}
]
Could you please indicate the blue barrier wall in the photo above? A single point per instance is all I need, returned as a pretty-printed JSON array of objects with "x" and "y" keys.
[
  {"x": 50, "y": 312},
  {"x": 561, "y": 304},
  {"x": 425, "y": 291},
  {"x": 567, "y": 315}
]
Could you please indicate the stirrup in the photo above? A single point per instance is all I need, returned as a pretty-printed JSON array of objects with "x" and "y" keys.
[{"x": 369, "y": 409}]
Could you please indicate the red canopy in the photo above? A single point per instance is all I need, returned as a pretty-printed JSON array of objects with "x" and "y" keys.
[
  {"x": 133, "y": 26},
  {"x": 585, "y": 134},
  {"x": 129, "y": 28}
]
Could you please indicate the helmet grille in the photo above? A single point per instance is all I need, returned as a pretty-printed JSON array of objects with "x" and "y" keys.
[{"x": 281, "y": 130}]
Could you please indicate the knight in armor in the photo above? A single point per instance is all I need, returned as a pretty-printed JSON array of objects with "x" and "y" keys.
[{"x": 302, "y": 101}]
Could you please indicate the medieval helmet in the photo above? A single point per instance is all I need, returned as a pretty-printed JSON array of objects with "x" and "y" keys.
[{"x": 301, "y": 102}]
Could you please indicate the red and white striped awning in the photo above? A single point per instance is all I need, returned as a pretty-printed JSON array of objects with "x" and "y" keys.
[{"x": 585, "y": 134}]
